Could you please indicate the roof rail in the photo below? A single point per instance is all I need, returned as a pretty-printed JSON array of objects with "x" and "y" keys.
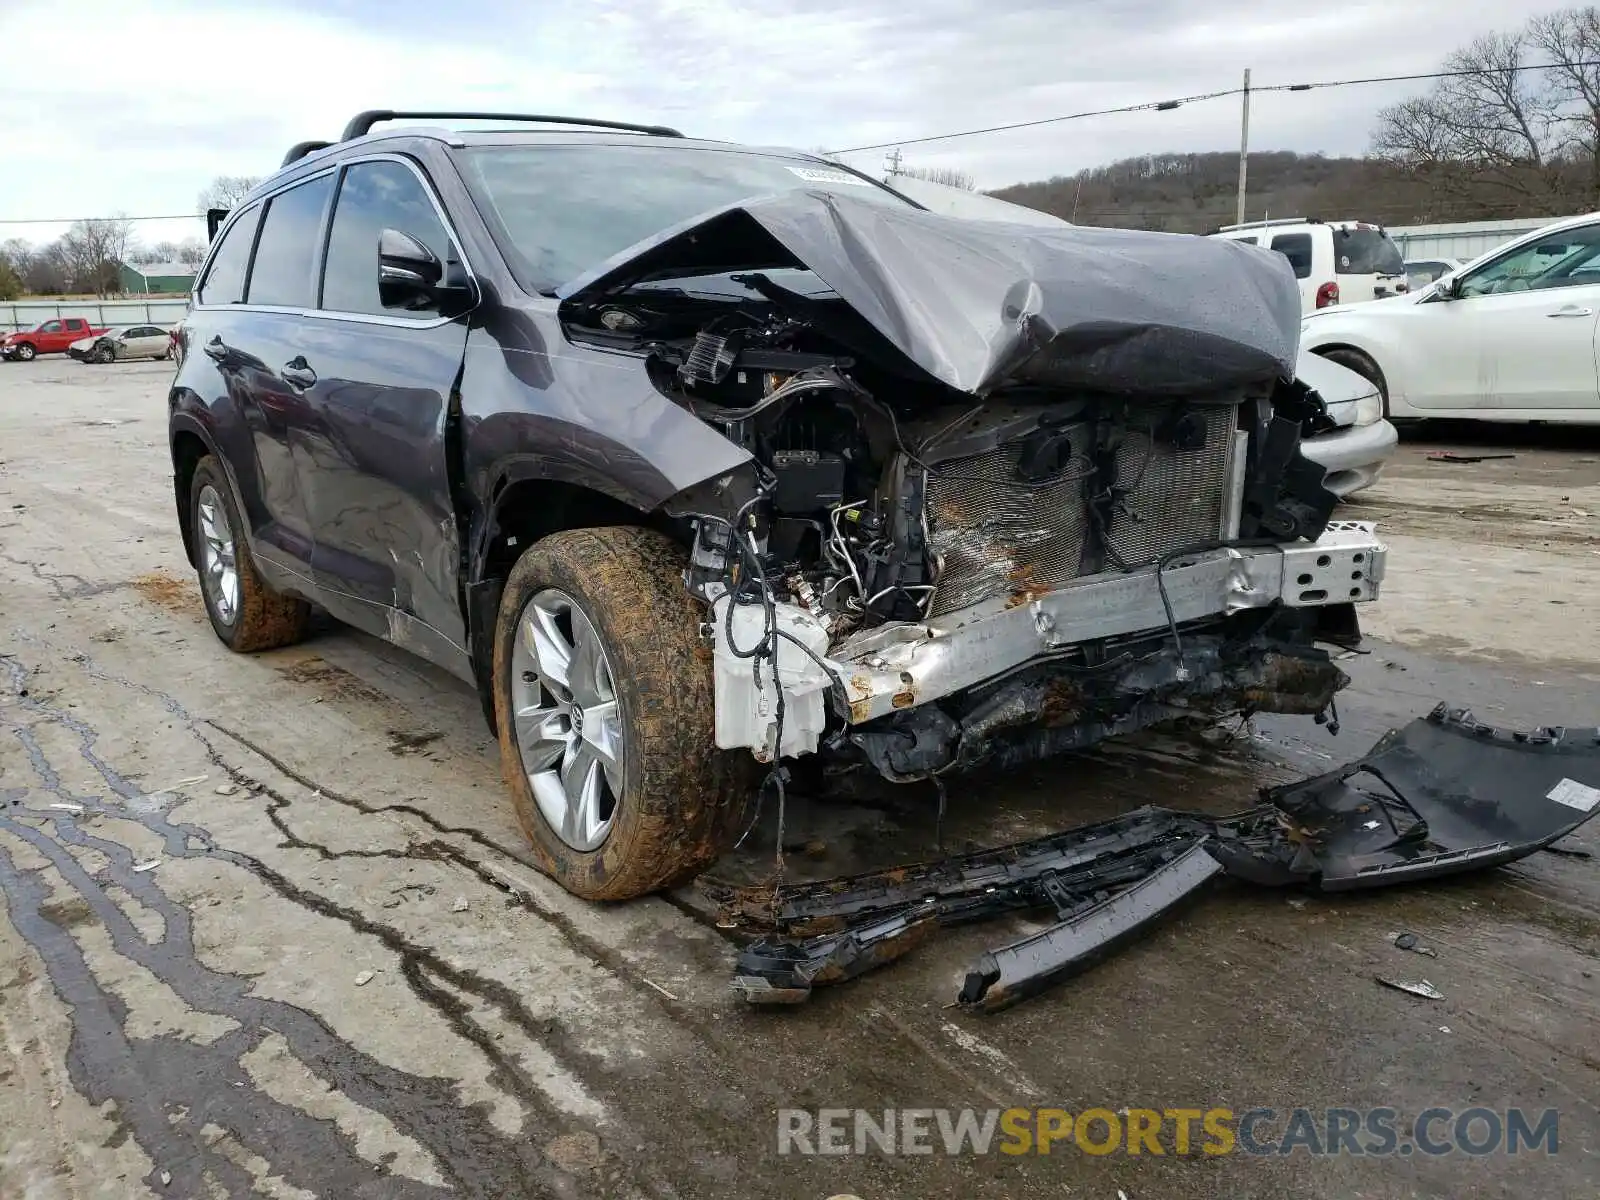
[
  {"x": 1265, "y": 224},
  {"x": 299, "y": 150},
  {"x": 362, "y": 123}
]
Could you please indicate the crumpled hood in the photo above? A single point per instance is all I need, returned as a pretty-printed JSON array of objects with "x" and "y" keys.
[{"x": 980, "y": 305}]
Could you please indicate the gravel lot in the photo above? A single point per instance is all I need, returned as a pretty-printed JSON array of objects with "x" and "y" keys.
[{"x": 341, "y": 979}]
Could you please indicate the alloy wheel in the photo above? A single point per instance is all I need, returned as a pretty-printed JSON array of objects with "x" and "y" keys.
[
  {"x": 218, "y": 564},
  {"x": 567, "y": 720}
]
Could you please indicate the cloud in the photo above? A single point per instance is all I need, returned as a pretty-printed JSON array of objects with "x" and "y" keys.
[{"x": 208, "y": 87}]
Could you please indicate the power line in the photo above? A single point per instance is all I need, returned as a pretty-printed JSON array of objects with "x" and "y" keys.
[
  {"x": 1146, "y": 106},
  {"x": 1167, "y": 105},
  {"x": 75, "y": 220},
  {"x": 1078, "y": 116}
]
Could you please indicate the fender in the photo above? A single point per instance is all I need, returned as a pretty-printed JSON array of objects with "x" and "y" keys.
[{"x": 190, "y": 416}]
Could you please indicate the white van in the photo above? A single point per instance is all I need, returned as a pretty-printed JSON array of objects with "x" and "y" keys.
[{"x": 1336, "y": 262}]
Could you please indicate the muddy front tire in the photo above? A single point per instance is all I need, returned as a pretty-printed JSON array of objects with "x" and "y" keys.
[
  {"x": 244, "y": 612},
  {"x": 603, "y": 701}
]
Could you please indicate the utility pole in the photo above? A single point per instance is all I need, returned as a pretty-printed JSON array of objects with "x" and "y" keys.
[
  {"x": 1244, "y": 145},
  {"x": 891, "y": 163}
]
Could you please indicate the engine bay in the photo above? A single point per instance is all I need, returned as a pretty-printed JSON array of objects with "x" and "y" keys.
[{"x": 885, "y": 498}]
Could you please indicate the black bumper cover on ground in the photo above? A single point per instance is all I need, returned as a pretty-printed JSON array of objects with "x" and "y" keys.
[{"x": 1445, "y": 795}]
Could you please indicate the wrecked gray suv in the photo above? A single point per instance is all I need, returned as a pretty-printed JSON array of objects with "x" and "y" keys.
[{"x": 695, "y": 458}]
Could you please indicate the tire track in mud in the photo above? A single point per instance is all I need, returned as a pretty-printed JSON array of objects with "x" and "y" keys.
[
  {"x": 104, "y": 1063},
  {"x": 429, "y": 977}
]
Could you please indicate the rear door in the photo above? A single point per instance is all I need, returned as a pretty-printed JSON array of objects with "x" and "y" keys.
[
  {"x": 235, "y": 349},
  {"x": 370, "y": 446}
]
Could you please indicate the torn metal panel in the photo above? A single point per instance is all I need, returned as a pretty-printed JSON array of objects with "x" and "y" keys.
[
  {"x": 981, "y": 305},
  {"x": 1020, "y": 969}
]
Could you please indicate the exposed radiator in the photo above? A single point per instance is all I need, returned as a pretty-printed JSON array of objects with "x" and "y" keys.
[
  {"x": 1175, "y": 498},
  {"x": 998, "y": 539}
]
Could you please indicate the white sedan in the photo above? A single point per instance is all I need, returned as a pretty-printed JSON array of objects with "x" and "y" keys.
[{"x": 1510, "y": 336}]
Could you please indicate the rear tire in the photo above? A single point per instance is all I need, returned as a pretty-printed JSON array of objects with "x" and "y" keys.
[
  {"x": 680, "y": 798},
  {"x": 244, "y": 612}
]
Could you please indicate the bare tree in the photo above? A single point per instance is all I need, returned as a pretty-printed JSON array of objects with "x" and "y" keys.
[
  {"x": 1518, "y": 126},
  {"x": 47, "y": 272},
  {"x": 1570, "y": 40},
  {"x": 191, "y": 252},
  {"x": 94, "y": 252},
  {"x": 225, "y": 191},
  {"x": 949, "y": 176}
]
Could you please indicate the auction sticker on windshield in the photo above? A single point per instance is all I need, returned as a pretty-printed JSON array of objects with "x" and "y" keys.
[{"x": 823, "y": 175}]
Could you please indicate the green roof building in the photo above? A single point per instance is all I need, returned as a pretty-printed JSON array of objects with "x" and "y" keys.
[{"x": 166, "y": 278}]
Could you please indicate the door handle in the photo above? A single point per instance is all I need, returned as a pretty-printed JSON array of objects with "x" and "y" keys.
[
  {"x": 298, "y": 373},
  {"x": 217, "y": 350},
  {"x": 1571, "y": 312}
]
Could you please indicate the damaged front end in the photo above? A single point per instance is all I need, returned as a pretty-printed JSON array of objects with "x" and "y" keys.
[{"x": 1011, "y": 490}]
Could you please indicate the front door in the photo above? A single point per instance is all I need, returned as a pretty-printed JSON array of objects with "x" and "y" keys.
[
  {"x": 372, "y": 455},
  {"x": 1521, "y": 334}
]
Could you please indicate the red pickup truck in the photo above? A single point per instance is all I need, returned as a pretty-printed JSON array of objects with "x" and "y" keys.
[{"x": 51, "y": 337}]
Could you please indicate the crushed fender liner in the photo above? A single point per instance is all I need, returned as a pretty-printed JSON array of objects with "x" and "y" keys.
[
  {"x": 979, "y": 305},
  {"x": 1445, "y": 795}
]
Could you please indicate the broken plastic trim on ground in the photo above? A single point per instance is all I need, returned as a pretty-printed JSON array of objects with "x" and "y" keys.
[{"x": 1445, "y": 795}]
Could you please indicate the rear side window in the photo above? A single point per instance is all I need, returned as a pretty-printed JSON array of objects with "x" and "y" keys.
[
  {"x": 1296, "y": 247},
  {"x": 1366, "y": 252},
  {"x": 224, "y": 282},
  {"x": 375, "y": 196},
  {"x": 288, "y": 247}
]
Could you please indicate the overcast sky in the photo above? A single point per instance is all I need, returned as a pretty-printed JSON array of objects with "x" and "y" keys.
[{"x": 133, "y": 107}]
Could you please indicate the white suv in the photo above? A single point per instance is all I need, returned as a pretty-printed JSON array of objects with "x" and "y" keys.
[{"x": 1336, "y": 262}]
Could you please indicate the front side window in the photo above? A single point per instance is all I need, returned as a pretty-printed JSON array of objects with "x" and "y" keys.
[
  {"x": 288, "y": 245},
  {"x": 50, "y": 327},
  {"x": 373, "y": 197},
  {"x": 224, "y": 282},
  {"x": 1561, "y": 260},
  {"x": 1296, "y": 247},
  {"x": 566, "y": 209}
]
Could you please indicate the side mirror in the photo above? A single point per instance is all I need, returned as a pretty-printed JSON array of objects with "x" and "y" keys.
[
  {"x": 214, "y": 219},
  {"x": 407, "y": 271},
  {"x": 410, "y": 276},
  {"x": 1448, "y": 288}
]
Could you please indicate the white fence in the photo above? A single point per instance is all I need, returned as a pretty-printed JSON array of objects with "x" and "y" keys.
[
  {"x": 26, "y": 314},
  {"x": 1465, "y": 240}
]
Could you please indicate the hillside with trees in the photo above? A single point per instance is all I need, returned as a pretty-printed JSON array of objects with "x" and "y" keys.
[
  {"x": 1195, "y": 193},
  {"x": 1512, "y": 131}
]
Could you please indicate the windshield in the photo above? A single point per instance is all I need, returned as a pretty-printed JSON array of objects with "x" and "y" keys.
[
  {"x": 1366, "y": 251},
  {"x": 565, "y": 209}
]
